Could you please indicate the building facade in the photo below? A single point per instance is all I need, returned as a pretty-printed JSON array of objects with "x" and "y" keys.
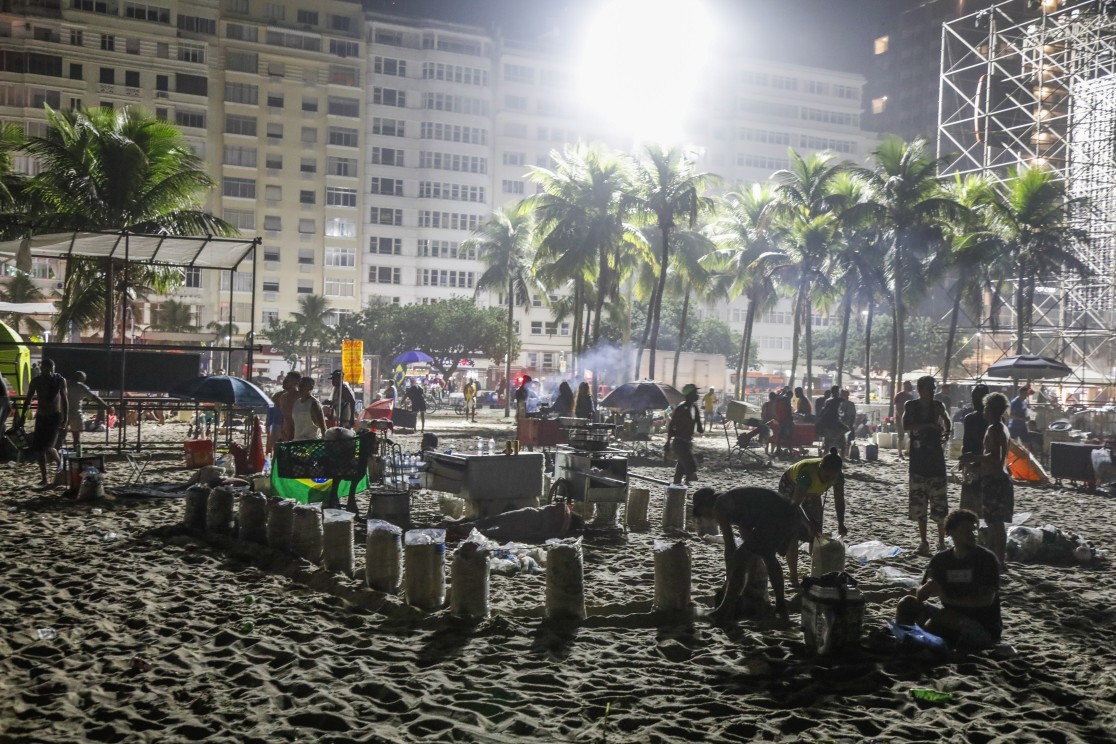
[{"x": 364, "y": 148}]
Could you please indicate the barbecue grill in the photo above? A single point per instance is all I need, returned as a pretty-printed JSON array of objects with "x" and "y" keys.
[{"x": 583, "y": 434}]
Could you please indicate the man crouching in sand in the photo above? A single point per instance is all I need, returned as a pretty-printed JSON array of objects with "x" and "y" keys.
[{"x": 766, "y": 522}]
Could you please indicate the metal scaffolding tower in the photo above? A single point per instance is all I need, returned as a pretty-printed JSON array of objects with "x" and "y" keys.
[{"x": 1042, "y": 90}]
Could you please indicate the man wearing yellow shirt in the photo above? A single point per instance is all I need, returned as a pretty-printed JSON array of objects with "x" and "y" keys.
[{"x": 804, "y": 484}]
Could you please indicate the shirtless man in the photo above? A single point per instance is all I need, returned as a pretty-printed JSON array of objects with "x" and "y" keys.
[
  {"x": 996, "y": 491},
  {"x": 51, "y": 413},
  {"x": 77, "y": 393},
  {"x": 285, "y": 399},
  {"x": 766, "y": 522}
]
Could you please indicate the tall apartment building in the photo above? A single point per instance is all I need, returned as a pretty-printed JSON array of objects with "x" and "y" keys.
[
  {"x": 270, "y": 95},
  {"x": 364, "y": 148}
]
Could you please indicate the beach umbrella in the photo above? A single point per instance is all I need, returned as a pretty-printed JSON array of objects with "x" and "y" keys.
[
  {"x": 414, "y": 356},
  {"x": 1029, "y": 368},
  {"x": 225, "y": 389},
  {"x": 642, "y": 396}
]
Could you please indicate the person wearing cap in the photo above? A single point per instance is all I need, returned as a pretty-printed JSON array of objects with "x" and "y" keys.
[
  {"x": 343, "y": 401},
  {"x": 521, "y": 398},
  {"x": 684, "y": 419},
  {"x": 804, "y": 484}
]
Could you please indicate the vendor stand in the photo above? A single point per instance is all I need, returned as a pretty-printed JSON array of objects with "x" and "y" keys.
[{"x": 491, "y": 484}]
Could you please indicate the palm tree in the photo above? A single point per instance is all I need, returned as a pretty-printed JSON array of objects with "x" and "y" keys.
[
  {"x": 115, "y": 169},
  {"x": 174, "y": 317},
  {"x": 805, "y": 209},
  {"x": 11, "y": 139},
  {"x": 20, "y": 289},
  {"x": 504, "y": 244},
  {"x": 689, "y": 278},
  {"x": 910, "y": 205},
  {"x": 312, "y": 317},
  {"x": 666, "y": 187},
  {"x": 974, "y": 249},
  {"x": 1032, "y": 218},
  {"x": 742, "y": 233},
  {"x": 579, "y": 214}
]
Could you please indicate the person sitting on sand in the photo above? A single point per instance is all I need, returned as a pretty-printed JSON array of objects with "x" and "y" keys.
[
  {"x": 804, "y": 484},
  {"x": 532, "y": 524},
  {"x": 967, "y": 579},
  {"x": 766, "y": 522}
]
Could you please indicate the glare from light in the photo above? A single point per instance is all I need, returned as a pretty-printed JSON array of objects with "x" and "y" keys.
[{"x": 642, "y": 64}]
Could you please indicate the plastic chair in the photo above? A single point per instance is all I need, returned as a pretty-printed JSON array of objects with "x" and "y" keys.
[{"x": 137, "y": 464}]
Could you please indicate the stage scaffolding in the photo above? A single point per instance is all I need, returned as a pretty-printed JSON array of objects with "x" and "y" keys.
[{"x": 1042, "y": 90}]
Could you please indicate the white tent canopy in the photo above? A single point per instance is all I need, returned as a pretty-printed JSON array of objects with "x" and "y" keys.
[
  {"x": 202, "y": 252},
  {"x": 29, "y": 308}
]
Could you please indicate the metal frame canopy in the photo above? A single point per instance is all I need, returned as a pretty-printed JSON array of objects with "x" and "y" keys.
[
  {"x": 1018, "y": 88},
  {"x": 206, "y": 252}
]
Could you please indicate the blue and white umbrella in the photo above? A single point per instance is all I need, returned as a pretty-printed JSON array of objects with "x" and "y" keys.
[{"x": 1029, "y": 368}]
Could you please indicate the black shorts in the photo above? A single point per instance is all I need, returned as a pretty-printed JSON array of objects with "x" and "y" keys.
[{"x": 47, "y": 427}]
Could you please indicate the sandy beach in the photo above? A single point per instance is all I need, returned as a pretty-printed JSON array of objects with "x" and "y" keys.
[{"x": 161, "y": 635}]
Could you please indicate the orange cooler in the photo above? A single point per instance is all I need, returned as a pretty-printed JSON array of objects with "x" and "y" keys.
[{"x": 199, "y": 452}]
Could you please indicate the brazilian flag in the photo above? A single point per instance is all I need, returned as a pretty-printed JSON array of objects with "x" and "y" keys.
[{"x": 310, "y": 490}]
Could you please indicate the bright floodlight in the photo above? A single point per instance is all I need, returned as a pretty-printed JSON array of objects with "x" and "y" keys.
[{"x": 643, "y": 63}]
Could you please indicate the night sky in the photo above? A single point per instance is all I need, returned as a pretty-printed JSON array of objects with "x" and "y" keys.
[{"x": 822, "y": 33}]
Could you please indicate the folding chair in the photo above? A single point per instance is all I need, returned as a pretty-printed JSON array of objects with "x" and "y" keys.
[{"x": 137, "y": 464}]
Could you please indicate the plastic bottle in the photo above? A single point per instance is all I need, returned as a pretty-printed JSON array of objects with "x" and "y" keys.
[
  {"x": 480, "y": 446},
  {"x": 491, "y": 446},
  {"x": 267, "y": 465},
  {"x": 931, "y": 696}
]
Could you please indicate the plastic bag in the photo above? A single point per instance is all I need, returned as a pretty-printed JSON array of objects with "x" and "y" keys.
[
  {"x": 826, "y": 555},
  {"x": 872, "y": 550},
  {"x": 306, "y": 532},
  {"x": 893, "y": 575},
  {"x": 635, "y": 512},
  {"x": 280, "y": 523},
  {"x": 672, "y": 575},
  {"x": 219, "y": 511},
  {"x": 469, "y": 582},
  {"x": 252, "y": 518},
  {"x": 424, "y": 568},
  {"x": 337, "y": 541},
  {"x": 383, "y": 556},
  {"x": 674, "y": 509},
  {"x": 565, "y": 580},
  {"x": 197, "y": 498}
]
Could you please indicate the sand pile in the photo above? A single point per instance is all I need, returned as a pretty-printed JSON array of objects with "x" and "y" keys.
[{"x": 153, "y": 633}]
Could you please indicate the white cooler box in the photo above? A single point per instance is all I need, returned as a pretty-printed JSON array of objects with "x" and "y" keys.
[{"x": 832, "y": 614}]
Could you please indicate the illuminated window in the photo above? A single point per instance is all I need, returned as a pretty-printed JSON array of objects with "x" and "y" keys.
[
  {"x": 879, "y": 104},
  {"x": 881, "y": 44}
]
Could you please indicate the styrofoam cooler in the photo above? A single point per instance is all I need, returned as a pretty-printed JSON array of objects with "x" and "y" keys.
[
  {"x": 832, "y": 616},
  {"x": 887, "y": 439}
]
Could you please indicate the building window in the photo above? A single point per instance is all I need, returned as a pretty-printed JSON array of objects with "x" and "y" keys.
[
  {"x": 344, "y": 75},
  {"x": 309, "y": 135},
  {"x": 193, "y": 277},
  {"x": 389, "y": 66},
  {"x": 386, "y": 216},
  {"x": 342, "y": 48},
  {"x": 275, "y": 100},
  {"x": 343, "y": 137},
  {"x": 513, "y": 187},
  {"x": 237, "y": 6},
  {"x": 446, "y": 278},
  {"x": 341, "y": 167},
  {"x": 274, "y": 130},
  {"x": 242, "y": 219},
  {"x": 306, "y": 196},
  {"x": 308, "y": 165},
  {"x": 306, "y": 256},
  {"x": 241, "y": 156},
  {"x": 274, "y": 11},
  {"x": 880, "y": 45},
  {"x": 273, "y": 161},
  {"x": 389, "y": 97},
  {"x": 516, "y": 103},
  {"x": 340, "y": 227},
  {"x": 340, "y": 258},
  {"x": 273, "y": 222},
  {"x": 108, "y": 43},
  {"x": 340, "y": 197},
  {"x": 339, "y": 287},
  {"x": 239, "y": 61},
  {"x": 307, "y": 226},
  {"x": 305, "y": 286},
  {"x": 339, "y": 106},
  {"x": 271, "y": 253},
  {"x": 194, "y": 53},
  {"x": 519, "y": 74},
  {"x": 515, "y": 158},
  {"x": 389, "y": 127},
  {"x": 387, "y": 156},
  {"x": 879, "y": 105},
  {"x": 385, "y": 275},
  {"x": 270, "y": 285},
  {"x": 242, "y": 93},
  {"x": 197, "y": 25},
  {"x": 308, "y": 17},
  {"x": 386, "y": 246},
  {"x": 387, "y": 186},
  {"x": 269, "y": 318},
  {"x": 310, "y": 105},
  {"x": 187, "y": 118},
  {"x": 242, "y": 188}
]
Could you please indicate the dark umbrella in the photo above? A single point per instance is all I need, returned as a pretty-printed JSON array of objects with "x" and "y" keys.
[
  {"x": 414, "y": 356},
  {"x": 225, "y": 389},
  {"x": 1029, "y": 368},
  {"x": 642, "y": 396}
]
